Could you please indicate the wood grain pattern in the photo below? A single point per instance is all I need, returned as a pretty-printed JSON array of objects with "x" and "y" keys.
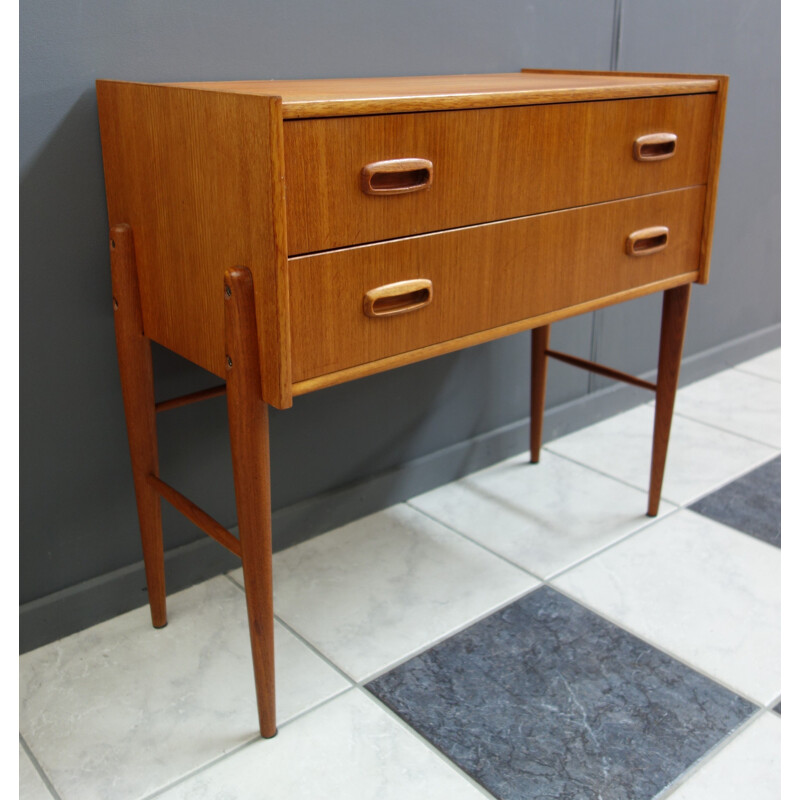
[
  {"x": 601, "y": 369},
  {"x": 193, "y": 512},
  {"x": 674, "y": 314},
  {"x": 138, "y": 397},
  {"x": 360, "y": 96},
  {"x": 581, "y": 73},
  {"x": 715, "y": 156},
  {"x": 248, "y": 424},
  {"x": 199, "y": 177},
  {"x": 188, "y": 399},
  {"x": 489, "y": 164},
  {"x": 483, "y": 277},
  {"x": 200, "y": 171},
  {"x": 540, "y": 339},
  {"x": 472, "y": 339},
  {"x": 715, "y": 152}
]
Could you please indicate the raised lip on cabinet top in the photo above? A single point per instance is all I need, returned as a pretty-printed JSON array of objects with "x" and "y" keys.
[{"x": 333, "y": 97}]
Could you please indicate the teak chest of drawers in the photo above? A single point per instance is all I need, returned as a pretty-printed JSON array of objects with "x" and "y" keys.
[{"x": 291, "y": 235}]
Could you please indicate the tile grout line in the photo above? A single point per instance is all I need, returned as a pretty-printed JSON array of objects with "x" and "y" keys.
[
  {"x": 557, "y": 573},
  {"x": 646, "y": 526},
  {"x": 656, "y": 646},
  {"x": 760, "y": 708},
  {"x": 737, "y": 476},
  {"x": 682, "y": 779},
  {"x": 358, "y": 687},
  {"x": 676, "y": 508},
  {"x": 547, "y": 582},
  {"x": 319, "y": 653},
  {"x": 597, "y": 470},
  {"x": 711, "y": 425},
  {"x": 249, "y": 743},
  {"x": 38, "y": 767},
  {"x": 429, "y": 745},
  {"x": 755, "y": 375},
  {"x": 361, "y": 685},
  {"x": 197, "y": 770},
  {"x": 679, "y": 504},
  {"x": 453, "y": 632},
  {"x": 354, "y": 682}
]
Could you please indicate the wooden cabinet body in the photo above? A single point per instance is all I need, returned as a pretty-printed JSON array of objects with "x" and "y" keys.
[
  {"x": 267, "y": 174},
  {"x": 291, "y": 235}
]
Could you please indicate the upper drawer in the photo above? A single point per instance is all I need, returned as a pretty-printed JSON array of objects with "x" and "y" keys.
[{"x": 487, "y": 164}]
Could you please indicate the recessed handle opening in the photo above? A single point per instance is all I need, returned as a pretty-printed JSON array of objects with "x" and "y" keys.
[
  {"x": 647, "y": 241},
  {"x": 398, "y": 298},
  {"x": 397, "y": 176},
  {"x": 655, "y": 147}
]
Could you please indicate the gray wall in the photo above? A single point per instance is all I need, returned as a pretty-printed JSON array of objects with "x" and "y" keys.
[{"x": 418, "y": 426}]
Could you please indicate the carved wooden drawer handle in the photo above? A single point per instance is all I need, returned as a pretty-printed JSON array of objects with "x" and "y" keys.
[
  {"x": 397, "y": 176},
  {"x": 647, "y": 241},
  {"x": 398, "y": 298},
  {"x": 655, "y": 147}
]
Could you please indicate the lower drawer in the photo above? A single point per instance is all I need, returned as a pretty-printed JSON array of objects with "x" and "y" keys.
[{"x": 345, "y": 311}]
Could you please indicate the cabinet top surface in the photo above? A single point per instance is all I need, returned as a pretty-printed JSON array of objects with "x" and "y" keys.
[{"x": 346, "y": 96}]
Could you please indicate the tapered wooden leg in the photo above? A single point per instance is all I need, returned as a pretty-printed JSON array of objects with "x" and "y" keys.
[
  {"x": 249, "y": 431},
  {"x": 674, "y": 314},
  {"x": 138, "y": 396},
  {"x": 540, "y": 339}
]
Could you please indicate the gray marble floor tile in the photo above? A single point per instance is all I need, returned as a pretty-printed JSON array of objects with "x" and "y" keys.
[
  {"x": 348, "y": 749},
  {"x": 546, "y": 699},
  {"x": 544, "y": 517},
  {"x": 777, "y": 708},
  {"x": 700, "y": 457},
  {"x": 31, "y": 785},
  {"x": 700, "y": 590},
  {"x": 120, "y": 710},
  {"x": 746, "y": 768},
  {"x": 380, "y": 589},
  {"x": 751, "y": 504},
  {"x": 767, "y": 365},
  {"x": 737, "y": 402}
]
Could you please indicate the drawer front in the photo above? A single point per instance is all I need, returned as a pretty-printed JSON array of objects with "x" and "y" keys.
[
  {"x": 347, "y": 308},
  {"x": 486, "y": 164}
]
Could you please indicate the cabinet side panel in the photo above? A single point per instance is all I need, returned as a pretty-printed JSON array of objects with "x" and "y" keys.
[{"x": 199, "y": 177}]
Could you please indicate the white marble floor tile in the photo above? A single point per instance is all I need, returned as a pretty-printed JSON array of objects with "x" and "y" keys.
[
  {"x": 700, "y": 458},
  {"x": 735, "y": 401},
  {"x": 544, "y": 517},
  {"x": 380, "y": 589},
  {"x": 699, "y": 590},
  {"x": 31, "y": 785},
  {"x": 121, "y": 709},
  {"x": 767, "y": 365},
  {"x": 747, "y": 768},
  {"x": 346, "y": 750}
]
